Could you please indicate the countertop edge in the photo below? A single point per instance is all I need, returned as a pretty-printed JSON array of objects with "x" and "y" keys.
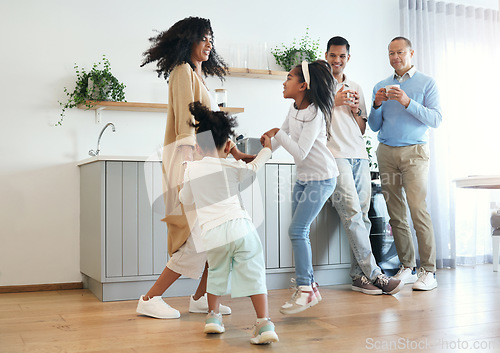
[{"x": 150, "y": 159}]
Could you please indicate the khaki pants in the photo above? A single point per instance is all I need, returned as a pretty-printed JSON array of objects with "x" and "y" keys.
[{"x": 407, "y": 168}]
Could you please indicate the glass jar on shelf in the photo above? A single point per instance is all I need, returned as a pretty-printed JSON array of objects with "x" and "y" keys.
[{"x": 221, "y": 97}]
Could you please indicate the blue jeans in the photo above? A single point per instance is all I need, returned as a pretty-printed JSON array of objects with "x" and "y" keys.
[
  {"x": 352, "y": 201},
  {"x": 308, "y": 198}
]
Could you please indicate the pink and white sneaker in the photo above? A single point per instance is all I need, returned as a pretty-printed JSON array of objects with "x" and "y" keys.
[
  {"x": 302, "y": 299},
  {"x": 315, "y": 286}
]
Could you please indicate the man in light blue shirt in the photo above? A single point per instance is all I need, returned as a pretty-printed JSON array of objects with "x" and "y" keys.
[{"x": 405, "y": 106}]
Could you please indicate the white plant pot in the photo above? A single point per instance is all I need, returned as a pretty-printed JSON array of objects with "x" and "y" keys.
[{"x": 94, "y": 95}]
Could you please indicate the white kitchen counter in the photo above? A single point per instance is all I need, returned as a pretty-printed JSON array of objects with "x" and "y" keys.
[
  {"x": 123, "y": 240},
  {"x": 118, "y": 159},
  {"x": 152, "y": 159}
]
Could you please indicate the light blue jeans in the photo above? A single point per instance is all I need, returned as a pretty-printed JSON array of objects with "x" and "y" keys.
[
  {"x": 352, "y": 200},
  {"x": 308, "y": 198}
]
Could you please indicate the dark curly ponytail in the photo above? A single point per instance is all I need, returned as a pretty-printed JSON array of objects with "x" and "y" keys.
[{"x": 219, "y": 123}]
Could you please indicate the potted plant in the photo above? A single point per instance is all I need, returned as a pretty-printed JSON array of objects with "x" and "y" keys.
[
  {"x": 371, "y": 159},
  {"x": 305, "y": 49},
  {"x": 99, "y": 84}
]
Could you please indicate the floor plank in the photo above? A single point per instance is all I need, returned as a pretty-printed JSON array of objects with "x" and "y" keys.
[{"x": 463, "y": 313}]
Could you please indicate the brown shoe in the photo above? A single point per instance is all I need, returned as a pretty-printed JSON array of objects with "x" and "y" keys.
[
  {"x": 388, "y": 285},
  {"x": 362, "y": 284}
]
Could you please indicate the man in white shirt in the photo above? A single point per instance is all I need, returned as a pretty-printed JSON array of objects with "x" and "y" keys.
[{"x": 352, "y": 194}]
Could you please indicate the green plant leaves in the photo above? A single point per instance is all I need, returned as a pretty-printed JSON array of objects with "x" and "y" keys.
[
  {"x": 368, "y": 143},
  {"x": 104, "y": 86},
  {"x": 306, "y": 49}
]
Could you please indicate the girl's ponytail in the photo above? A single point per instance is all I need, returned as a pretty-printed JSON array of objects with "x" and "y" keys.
[{"x": 321, "y": 88}]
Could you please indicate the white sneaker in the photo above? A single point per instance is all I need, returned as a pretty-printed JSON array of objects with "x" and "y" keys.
[
  {"x": 157, "y": 308},
  {"x": 302, "y": 299},
  {"x": 406, "y": 275},
  {"x": 201, "y": 306},
  {"x": 264, "y": 333},
  {"x": 213, "y": 323},
  {"x": 426, "y": 280}
]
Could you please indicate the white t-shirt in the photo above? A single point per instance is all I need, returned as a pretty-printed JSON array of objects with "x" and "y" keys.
[
  {"x": 303, "y": 135},
  {"x": 212, "y": 185},
  {"x": 347, "y": 140}
]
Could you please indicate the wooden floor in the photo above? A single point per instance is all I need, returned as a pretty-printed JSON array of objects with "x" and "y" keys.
[{"x": 463, "y": 313}]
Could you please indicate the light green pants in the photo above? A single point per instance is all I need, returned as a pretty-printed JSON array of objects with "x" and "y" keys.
[{"x": 403, "y": 173}]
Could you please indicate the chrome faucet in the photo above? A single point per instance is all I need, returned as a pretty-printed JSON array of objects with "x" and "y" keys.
[{"x": 96, "y": 153}]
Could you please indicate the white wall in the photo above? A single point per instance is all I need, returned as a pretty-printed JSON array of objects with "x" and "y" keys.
[{"x": 41, "y": 41}]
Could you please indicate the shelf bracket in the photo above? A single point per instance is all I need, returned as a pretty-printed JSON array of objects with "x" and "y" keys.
[{"x": 98, "y": 115}]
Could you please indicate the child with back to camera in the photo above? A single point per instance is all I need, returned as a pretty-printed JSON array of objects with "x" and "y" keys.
[
  {"x": 228, "y": 234},
  {"x": 304, "y": 134}
]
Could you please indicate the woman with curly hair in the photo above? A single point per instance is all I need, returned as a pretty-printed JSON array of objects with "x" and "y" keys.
[{"x": 183, "y": 54}]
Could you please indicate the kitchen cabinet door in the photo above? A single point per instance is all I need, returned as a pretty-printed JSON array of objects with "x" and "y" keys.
[
  {"x": 259, "y": 207},
  {"x": 332, "y": 229},
  {"x": 345, "y": 247},
  {"x": 285, "y": 185},
  {"x": 160, "y": 253},
  {"x": 124, "y": 241},
  {"x": 130, "y": 214},
  {"x": 320, "y": 236},
  {"x": 144, "y": 218},
  {"x": 272, "y": 214},
  {"x": 114, "y": 220},
  {"x": 136, "y": 238}
]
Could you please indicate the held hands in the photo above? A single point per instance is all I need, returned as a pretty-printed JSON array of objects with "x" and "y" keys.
[
  {"x": 248, "y": 157},
  {"x": 266, "y": 141},
  {"x": 238, "y": 155},
  {"x": 269, "y": 134},
  {"x": 395, "y": 93}
]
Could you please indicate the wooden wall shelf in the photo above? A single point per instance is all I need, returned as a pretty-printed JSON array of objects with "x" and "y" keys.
[
  {"x": 254, "y": 73},
  {"x": 99, "y": 106},
  {"x": 143, "y": 107}
]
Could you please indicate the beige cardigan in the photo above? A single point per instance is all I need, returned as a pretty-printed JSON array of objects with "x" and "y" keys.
[{"x": 184, "y": 87}]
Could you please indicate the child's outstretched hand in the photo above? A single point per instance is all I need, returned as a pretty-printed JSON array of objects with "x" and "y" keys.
[
  {"x": 265, "y": 141},
  {"x": 237, "y": 154},
  {"x": 271, "y": 133},
  {"x": 248, "y": 157}
]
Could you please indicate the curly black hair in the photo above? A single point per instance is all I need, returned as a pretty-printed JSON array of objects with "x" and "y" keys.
[
  {"x": 173, "y": 47},
  {"x": 218, "y": 122},
  {"x": 322, "y": 90}
]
